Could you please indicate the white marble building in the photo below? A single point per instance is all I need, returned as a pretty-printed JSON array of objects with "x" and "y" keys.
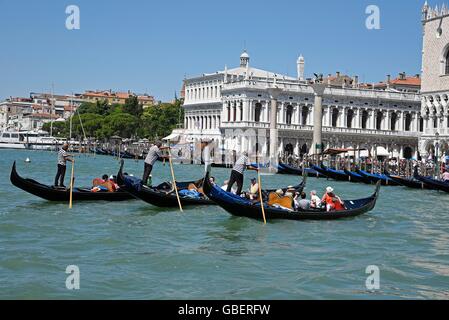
[
  {"x": 385, "y": 122},
  {"x": 435, "y": 81}
]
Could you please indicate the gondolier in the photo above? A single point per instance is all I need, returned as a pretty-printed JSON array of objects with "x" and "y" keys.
[
  {"x": 63, "y": 157},
  {"x": 153, "y": 155},
  {"x": 237, "y": 173}
]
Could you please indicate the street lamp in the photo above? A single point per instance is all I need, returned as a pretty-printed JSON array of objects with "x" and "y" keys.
[{"x": 437, "y": 161}]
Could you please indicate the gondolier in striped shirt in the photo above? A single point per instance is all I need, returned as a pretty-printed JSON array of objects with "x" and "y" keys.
[
  {"x": 237, "y": 173},
  {"x": 63, "y": 157},
  {"x": 153, "y": 155}
]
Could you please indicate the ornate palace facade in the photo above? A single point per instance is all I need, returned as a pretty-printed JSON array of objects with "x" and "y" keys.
[
  {"x": 381, "y": 118},
  {"x": 435, "y": 81}
]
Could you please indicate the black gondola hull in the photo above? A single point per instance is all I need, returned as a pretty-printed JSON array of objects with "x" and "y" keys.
[
  {"x": 244, "y": 208},
  {"x": 52, "y": 194},
  {"x": 432, "y": 183}
]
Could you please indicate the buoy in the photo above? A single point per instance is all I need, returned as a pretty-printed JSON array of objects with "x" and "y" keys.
[{"x": 27, "y": 160}]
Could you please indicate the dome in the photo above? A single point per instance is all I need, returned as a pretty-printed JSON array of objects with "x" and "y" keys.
[
  {"x": 244, "y": 55},
  {"x": 301, "y": 58}
]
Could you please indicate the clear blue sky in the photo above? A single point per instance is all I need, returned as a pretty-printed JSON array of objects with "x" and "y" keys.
[{"x": 148, "y": 46}]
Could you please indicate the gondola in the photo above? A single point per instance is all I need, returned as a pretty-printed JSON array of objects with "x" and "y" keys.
[
  {"x": 338, "y": 175},
  {"x": 432, "y": 183},
  {"x": 408, "y": 182},
  {"x": 355, "y": 177},
  {"x": 159, "y": 197},
  {"x": 245, "y": 208},
  {"x": 54, "y": 194},
  {"x": 288, "y": 169},
  {"x": 374, "y": 178}
]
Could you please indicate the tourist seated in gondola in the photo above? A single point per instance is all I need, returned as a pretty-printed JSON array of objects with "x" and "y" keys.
[
  {"x": 103, "y": 184},
  {"x": 301, "y": 202},
  {"x": 225, "y": 187},
  {"x": 253, "y": 190},
  {"x": 445, "y": 176},
  {"x": 113, "y": 180},
  {"x": 315, "y": 201},
  {"x": 281, "y": 200},
  {"x": 333, "y": 202}
]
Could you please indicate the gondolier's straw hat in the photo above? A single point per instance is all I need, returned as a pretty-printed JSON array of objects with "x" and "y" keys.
[{"x": 329, "y": 190}]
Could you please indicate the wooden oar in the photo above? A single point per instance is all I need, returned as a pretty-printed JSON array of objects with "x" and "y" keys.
[
  {"x": 71, "y": 184},
  {"x": 174, "y": 180},
  {"x": 260, "y": 195}
]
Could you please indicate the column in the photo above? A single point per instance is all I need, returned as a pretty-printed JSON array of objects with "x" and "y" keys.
[
  {"x": 266, "y": 114},
  {"x": 299, "y": 114},
  {"x": 274, "y": 93},
  {"x": 401, "y": 121},
  {"x": 246, "y": 110},
  {"x": 358, "y": 119},
  {"x": 329, "y": 116},
  {"x": 316, "y": 147},
  {"x": 238, "y": 115},
  {"x": 311, "y": 115},
  {"x": 387, "y": 121}
]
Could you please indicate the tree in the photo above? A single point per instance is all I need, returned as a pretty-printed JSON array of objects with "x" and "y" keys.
[
  {"x": 59, "y": 128},
  {"x": 100, "y": 107},
  {"x": 158, "y": 121},
  {"x": 122, "y": 124},
  {"x": 133, "y": 107}
]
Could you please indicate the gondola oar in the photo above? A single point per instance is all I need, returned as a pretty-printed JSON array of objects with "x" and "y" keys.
[
  {"x": 260, "y": 194},
  {"x": 71, "y": 184},
  {"x": 174, "y": 180}
]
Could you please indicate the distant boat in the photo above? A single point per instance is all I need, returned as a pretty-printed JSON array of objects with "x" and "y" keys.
[
  {"x": 36, "y": 140},
  {"x": 27, "y": 160}
]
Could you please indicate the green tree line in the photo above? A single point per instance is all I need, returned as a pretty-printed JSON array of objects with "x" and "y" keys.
[{"x": 130, "y": 120}]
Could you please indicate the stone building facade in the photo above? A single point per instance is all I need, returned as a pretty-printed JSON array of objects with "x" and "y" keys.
[
  {"x": 222, "y": 105},
  {"x": 435, "y": 81}
]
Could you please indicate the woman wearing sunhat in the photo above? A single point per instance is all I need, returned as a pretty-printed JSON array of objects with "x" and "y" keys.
[{"x": 333, "y": 202}]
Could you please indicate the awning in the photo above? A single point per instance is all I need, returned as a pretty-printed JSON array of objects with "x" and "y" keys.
[
  {"x": 172, "y": 137},
  {"x": 340, "y": 151},
  {"x": 381, "y": 152}
]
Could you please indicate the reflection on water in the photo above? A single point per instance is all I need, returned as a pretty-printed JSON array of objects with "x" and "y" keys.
[{"x": 132, "y": 250}]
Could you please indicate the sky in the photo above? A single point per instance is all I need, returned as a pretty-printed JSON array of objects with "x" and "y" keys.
[{"x": 150, "y": 46}]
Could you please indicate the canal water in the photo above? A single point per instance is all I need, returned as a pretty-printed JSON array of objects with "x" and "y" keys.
[{"x": 131, "y": 250}]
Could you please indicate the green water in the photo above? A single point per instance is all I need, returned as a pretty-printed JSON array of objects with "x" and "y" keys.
[{"x": 131, "y": 250}]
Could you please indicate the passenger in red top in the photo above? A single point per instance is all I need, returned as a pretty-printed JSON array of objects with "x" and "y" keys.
[{"x": 333, "y": 202}]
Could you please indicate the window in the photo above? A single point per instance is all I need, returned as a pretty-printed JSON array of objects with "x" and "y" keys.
[
  {"x": 334, "y": 118},
  {"x": 349, "y": 118},
  {"x": 364, "y": 119},
  {"x": 393, "y": 120},
  {"x": 258, "y": 112},
  {"x": 446, "y": 71},
  {"x": 305, "y": 114},
  {"x": 289, "y": 115},
  {"x": 408, "y": 122},
  {"x": 379, "y": 120}
]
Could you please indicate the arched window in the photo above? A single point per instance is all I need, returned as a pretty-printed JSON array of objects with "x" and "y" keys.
[
  {"x": 257, "y": 112},
  {"x": 394, "y": 118},
  {"x": 446, "y": 69},
  {"x": 379, "y": 120},
  {"x": 305, "y": 114},
  {"x": 364, "y": 119},
  {"x": 421, "y": 124},
  {"x": 334, "y": 117},
  {"x": 349, "y": 118},
  {"x": 408, "y": 153},
  {"x": 289, "y": 115},
  {"x": 408, "y": 122}
]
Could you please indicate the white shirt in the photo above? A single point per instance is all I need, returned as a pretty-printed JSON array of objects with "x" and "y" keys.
[{"x": 153, "y": 154}]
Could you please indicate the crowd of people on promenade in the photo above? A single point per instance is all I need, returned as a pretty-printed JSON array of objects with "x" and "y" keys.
[{"x": 293, "y": 199}]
